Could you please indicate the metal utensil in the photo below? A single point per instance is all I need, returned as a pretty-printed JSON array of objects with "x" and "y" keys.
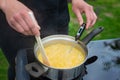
[
  {"x": 80, "y": 31},
  {"x": 78, "y": 35},
  {"x": 40, "y": 45}
]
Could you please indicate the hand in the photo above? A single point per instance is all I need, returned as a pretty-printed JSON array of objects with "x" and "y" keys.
[
  {"x": 79, "y": 7},
  {"x": 18, "y": 17}
]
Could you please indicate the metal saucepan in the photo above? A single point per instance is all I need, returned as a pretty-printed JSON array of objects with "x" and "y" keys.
[{"x": 38, "y": 69}]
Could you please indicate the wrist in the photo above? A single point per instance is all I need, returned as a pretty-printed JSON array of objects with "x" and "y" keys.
[{"x": 4, "y": 3}]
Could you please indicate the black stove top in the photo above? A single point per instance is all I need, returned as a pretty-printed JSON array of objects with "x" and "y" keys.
[
  {"x": 107, "y": 65},
  {"x": 103, "y": 61}
]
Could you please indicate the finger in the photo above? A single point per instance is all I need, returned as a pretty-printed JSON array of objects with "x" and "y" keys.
[
  {"x": 94, "y": 19},
  {"x": 88, "y": 17},
  {"x": 21, "y": 22},
  {"x": 91, "y": 18},
  {"x": 16, "y": 26},
  {"x": 79, "y": 16},
  {"x": 32, "y": 26},
  {"x": 35, "y": 31}
]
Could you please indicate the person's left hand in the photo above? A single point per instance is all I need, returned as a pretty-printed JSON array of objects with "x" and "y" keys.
[{"x": 79, "y": 7}]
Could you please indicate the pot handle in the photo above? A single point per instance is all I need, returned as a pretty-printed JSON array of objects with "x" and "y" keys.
[
  {"x": 35, "y": 69},
  {"x": 91, "y": 60},
  {"x": 92, "y": 34}
]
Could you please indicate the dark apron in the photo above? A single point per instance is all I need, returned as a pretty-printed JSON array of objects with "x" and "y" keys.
[{"x": 52, "y": 16}]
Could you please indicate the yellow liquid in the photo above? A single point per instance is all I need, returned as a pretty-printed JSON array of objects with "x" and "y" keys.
[{"x": 59, "y": 56}]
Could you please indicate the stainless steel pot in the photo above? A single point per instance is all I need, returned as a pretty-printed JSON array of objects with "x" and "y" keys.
[{"x": 37, "y": 69}]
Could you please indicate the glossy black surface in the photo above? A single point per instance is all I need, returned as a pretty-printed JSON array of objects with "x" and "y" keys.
[
  {"x": 107, "y": 65},
  {"x": 103, "y": 61}
]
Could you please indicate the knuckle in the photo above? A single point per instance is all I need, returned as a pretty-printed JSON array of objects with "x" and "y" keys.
[
  {"x": 16, "y": 16},
  {"x": 96, "y": 17},
  {"x": 23, "y": 13},
  {"x": 26, "y": 30},
  {"x": 89, "y": 18},
  {"x": 35, "y": 31},
  {"x": 12, "y": 20},
  {"x": 32, "y": 26},
  {"x": 91, "y": 7}
]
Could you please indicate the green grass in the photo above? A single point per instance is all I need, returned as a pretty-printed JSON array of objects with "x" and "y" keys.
[
  {"x": 3, "y": 67},
  {"x": 108, "y": 16}
]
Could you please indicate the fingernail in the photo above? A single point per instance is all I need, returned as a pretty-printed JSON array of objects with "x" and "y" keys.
[{"x": 80, "y": 23}]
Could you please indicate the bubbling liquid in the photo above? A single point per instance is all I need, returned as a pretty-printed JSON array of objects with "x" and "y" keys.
[{"x": 60, "y": 56}]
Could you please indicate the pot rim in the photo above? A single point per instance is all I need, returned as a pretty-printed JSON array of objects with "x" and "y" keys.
[{"x": 67, "y": 37}]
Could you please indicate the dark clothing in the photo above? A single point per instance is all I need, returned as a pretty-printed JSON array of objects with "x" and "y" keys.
[
  {"x": 50, "y": 13},
  {"x": 52, "y": 16}
]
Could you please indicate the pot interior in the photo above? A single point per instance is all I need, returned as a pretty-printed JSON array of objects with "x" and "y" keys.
[{"x": 63, "y": 52}]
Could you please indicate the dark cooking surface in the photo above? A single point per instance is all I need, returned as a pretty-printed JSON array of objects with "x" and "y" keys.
[{"x": 107, "y": 64}]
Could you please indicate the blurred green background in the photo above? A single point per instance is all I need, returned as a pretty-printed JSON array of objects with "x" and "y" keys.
[{"x": 108, "y": 12}]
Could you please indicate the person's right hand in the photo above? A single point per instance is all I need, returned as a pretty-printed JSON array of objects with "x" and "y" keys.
[{"x": 17, "y": 15}]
